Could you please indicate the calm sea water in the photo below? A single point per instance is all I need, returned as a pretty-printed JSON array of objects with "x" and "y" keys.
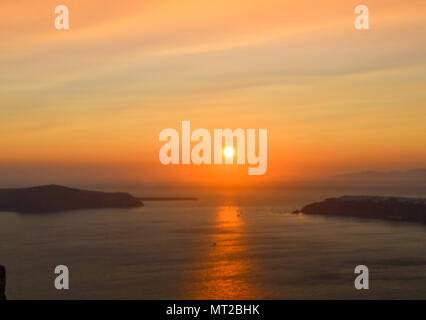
[{"x": 225, "y": 246}]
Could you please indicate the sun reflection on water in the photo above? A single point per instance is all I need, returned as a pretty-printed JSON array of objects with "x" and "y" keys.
[{"x": 225, "y": 271}]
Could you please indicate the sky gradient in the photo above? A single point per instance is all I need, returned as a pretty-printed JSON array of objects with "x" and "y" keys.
[{"x": 89, "y": 103}]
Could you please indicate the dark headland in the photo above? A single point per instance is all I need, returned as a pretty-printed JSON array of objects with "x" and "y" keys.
[
  {"x": 371, "y": 207},
  {"x": 54, "y": 198},
  {"x": 2, "y": 283}
]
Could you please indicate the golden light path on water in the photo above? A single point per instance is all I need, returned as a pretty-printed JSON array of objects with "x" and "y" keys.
[{"x": 226, "y": 268}]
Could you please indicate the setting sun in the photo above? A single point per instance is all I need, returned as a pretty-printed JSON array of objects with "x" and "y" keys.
[{"x": 228, "y": 152}]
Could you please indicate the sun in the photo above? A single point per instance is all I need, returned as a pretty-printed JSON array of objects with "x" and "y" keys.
[{"x": 228, "y": 152}]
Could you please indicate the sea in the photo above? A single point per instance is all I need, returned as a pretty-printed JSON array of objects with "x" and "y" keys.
[{"x": 228, "y": 244}]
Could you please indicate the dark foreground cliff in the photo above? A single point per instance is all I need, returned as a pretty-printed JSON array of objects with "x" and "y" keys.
[
  {"x": 54, "y": 198},
  {"x": 388, "y": 208},
  {"x": 2, "y": 283}
]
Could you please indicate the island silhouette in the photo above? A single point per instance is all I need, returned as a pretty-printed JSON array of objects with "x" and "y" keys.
[
  {"x": 55, "y": 198},
  {"x": 371, "y": 207}
]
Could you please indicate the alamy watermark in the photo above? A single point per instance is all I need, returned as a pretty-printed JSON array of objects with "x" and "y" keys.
[
  {"x": 62, "y": 280},
  {"x": 62, "y": 18},
  {"x": 362, "y": 20},
  {"x": 202, "y": 152}
]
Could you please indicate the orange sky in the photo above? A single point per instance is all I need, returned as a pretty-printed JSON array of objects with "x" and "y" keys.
[{"x": 92, "y": 100}]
